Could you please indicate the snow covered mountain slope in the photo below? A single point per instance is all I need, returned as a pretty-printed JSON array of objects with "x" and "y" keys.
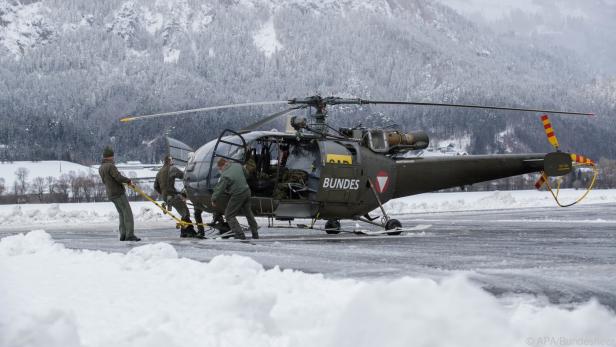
[
  {"x": 23, "y": 25},
  {"x": 84, "y": 64}
]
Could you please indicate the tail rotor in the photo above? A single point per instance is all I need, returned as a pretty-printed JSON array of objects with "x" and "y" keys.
[{"x": 577, "y": 160}]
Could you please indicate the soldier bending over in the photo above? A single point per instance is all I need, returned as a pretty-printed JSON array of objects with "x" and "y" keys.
[
  {"x": 165, "y": 186},
  {"x": 233, "y": 182}
]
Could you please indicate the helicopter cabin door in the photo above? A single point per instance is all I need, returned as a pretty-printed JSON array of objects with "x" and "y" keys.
[
  {"x": 230, "y": 146},
  {"x": 178, "y": 151},
  {"x": 342, "y": 174}
]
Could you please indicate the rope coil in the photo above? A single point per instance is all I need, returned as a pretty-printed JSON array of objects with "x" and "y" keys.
[{"x": 582, "y": 197}]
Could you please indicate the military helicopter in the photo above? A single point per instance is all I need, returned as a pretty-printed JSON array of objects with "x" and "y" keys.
[{"x": 321, "y": 173}]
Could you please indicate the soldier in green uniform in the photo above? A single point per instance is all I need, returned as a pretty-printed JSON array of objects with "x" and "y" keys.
[
  {"x": 233, "y": 183},
  {"x": 116, "y": 192},
  {"x": 165, "y": 186}
]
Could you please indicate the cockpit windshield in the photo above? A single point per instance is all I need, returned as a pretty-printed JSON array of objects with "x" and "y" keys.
[
  {"x": 304, "y": 157},
  {"x": 199, "y": 166},
  {"x": 271, "y": 157}
]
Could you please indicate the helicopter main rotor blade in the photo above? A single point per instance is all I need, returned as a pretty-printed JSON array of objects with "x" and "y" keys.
[
  {"x": 271, "y": 117},
  {"x": 222, "y": 107},
  {"x": 361, "y": 101}
]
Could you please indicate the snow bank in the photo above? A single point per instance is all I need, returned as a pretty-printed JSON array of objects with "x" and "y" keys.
[
  {"x": 75, "y": 213},
  {"x": 104, "y": 212},
  {"x": 52, "y": 296},
  {"x": 493, "y": 200}
]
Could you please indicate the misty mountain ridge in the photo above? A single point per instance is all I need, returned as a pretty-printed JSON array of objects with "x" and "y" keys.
[{"x": 71, "y": 69}]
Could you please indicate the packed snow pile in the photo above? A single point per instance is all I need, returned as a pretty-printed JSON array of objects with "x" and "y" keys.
[{"x": 53, "y": 296}]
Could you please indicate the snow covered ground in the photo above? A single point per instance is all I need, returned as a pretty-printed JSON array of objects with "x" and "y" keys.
[
  {"x": 145, "y": 212},
  {"x": 45, "y": 168},
  {"x": 53, "y": 296},
  {"x": 468, "y": 282}
]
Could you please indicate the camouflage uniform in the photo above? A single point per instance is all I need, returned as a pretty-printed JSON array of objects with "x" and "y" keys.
[
  {"x": 116, "y": 192},
  {"x": 233, "y": 183},
  {"x": 165, "y": 186}
]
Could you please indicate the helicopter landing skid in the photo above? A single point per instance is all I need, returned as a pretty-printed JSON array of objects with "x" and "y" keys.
[
  {"x": 397, "y": 231},
  {"x": 347, "y": 235},
  {"x": 358, "y": 231}
]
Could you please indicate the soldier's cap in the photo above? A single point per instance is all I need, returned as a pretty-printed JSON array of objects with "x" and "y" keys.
[{"x": 107, "y": 152}]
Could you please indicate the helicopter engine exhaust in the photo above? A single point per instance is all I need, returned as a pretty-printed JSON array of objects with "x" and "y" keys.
[{"x": 414, "y": 139}]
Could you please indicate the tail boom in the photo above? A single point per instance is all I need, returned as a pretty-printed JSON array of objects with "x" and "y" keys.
[{"x": 422, "y": 175}]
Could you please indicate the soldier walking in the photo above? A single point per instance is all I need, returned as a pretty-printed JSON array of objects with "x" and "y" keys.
[
  {"x": 116, "y": 192},
  {"x": 233, "y": 183},
  {"x": 165, "y": 186}
]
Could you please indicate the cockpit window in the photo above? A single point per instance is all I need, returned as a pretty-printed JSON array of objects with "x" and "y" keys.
[
  {"x": 202, "y": 160},
  {"x": 234, "y": 149},
  {"x": 303, "y": 157},
  {"x": 236, "y": 152}
]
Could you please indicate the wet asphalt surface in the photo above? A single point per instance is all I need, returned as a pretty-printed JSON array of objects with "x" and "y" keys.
[{"x": 562, "y": 256}]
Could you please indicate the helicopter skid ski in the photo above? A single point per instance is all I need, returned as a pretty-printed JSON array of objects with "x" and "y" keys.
[{"x": 353, "y": 234}]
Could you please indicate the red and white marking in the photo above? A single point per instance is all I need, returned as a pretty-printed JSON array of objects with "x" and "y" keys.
[{"x": 382, "y": 181}]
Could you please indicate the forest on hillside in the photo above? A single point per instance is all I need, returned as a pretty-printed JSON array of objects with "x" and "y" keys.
[{"x": 93, "y": 62}]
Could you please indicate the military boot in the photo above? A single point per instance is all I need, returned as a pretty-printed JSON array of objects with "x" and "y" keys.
[
  {"x": 216, "y": 222},
  {"x": 183, "y": 232},
  {"x": 238, "y": 232},
  {"x": 188, "y": 232},
  {"x": 200, "y": 232},
  {"x": 239, "y": 235}
]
